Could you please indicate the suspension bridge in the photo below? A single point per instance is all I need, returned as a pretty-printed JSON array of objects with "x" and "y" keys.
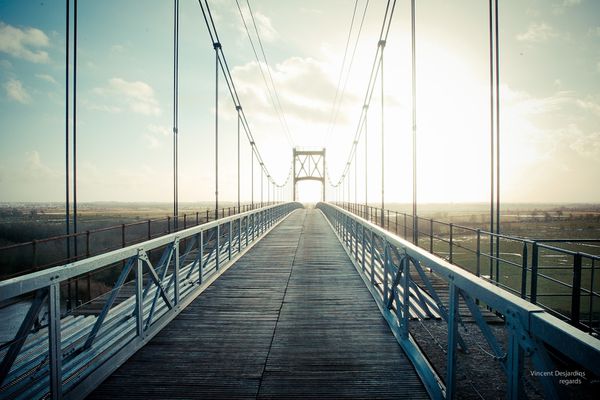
[{"x": 276, "y": 299}]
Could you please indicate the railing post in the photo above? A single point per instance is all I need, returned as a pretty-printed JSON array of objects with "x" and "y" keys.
[
  {"x": 363, "y": 248},
  {"x": 452, "y": 339},
  {"x": 450, "y": 255},
  {"x": 218, "y": 249},
  {"x": 54, "y": 349},
  {"x": 431, "y": 235},
  {"x": 87, "y": 243},
  {"x": 239, "y": 235},
  {"x": 230, "y": 238},
  {"x": 534, "y": 272},
  {"x": 385, "y": 264},
  {"x": 478, "y": 253},
  {"x": 184, "y": 221},
  {"x": 356, "y": 227},
  {"x": 524, "y": 272},
  {"x": 201, "y": 250},
  {"x": 169, "y": 224},
  {"x": 246, "y": 226},
  {"x": 514, "y": 361},
  {"x": 139, "y": 285},
  {"x": 207, "y": 216},
  {"x": 405, "y": 298},
  {"x": 149, "y": 229},
  {"x": 372, "y": 258},
  {"x": 405, "y": 228},
  {"x": 591, "y": 302},
  {"x": 576, "y": 294},
  {"x": 396, "y": 222},
  {"x": 197, "y": 218},
  {"x": 351, "y": 231},
  {"x": 35, "y": 255},
  {"x": 176, "y": 272}
]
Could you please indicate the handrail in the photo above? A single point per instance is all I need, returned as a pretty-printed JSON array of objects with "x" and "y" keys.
[
  {"x": 68, "y": 240},
  {"x": 519, "y": 271},
  {"x": 530, "y": 327}
]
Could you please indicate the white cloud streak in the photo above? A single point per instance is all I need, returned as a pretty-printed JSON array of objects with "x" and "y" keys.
[
  {"x": 137, "y": 95},
  {"x": 47, "y": 78},
  {"x": 24, "y": 43},
  {"x": 537, "y": 32},
  {"x": 16, "y": 92}
]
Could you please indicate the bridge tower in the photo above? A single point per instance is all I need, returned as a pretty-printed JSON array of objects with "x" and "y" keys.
[{"x": 309, "y": 165}]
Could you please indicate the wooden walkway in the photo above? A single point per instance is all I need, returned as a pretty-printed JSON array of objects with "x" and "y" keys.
[{"x": 291, "y": 319}]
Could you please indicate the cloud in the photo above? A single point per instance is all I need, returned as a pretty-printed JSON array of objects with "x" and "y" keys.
[
  {"x": 117, "y": 48},
  {"x": 156, "y": 135},
  {"x": 152, "y": 141},
  {"x": 263, "y": 24},
  {"x": 24, "y": 43},
  {"x": 537, "y": 32},
  {"x": 598, "y": 66},
  {"x": 101, "y": 107},
  {"x": 303, "y": 87},
  {"x": 265, "y": 27},
  {"x": 15, "y": 91},
  {"x": 138, "y": 96},
  {"x": 47, "y": 78},
  {"x": 35, "y": 169},
  {"x": 585, "y": 144},
  {"x": 159, "y": 129},
  {"x": 561, "y": 7},
  {"x": 561, "y": 120}
]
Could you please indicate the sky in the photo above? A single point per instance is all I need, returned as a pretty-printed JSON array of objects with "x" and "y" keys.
[{"x": 549, "y": 99}]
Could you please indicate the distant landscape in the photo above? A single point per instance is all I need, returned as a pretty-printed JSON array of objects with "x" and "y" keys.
[{"x": 23, "y": 222}]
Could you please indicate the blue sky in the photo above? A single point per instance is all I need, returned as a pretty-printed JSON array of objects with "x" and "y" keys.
[{"x": 550, "y": 98}]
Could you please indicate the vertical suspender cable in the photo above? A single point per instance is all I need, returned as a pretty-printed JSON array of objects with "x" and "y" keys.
[
  {"x": 366, "y": 162},
  {"x": 382, "y": 44},
  {"x": 175, "y": 114},
  {"x": 75, "y": 128},
  {"x": 414, "y": 125},
  {"x": 355, "y": 174},
  {"x": 238, "y": 108},
  {"x": 349, "y": 181},
  {"x": 67, "y": 182},
  {"x": 491, "y": 44},
  {"x": 216, "y": 46},
  {"x": 252, "y": 174},
  {"x": 497, "y": 133},
  {"x": 261, "y": 184}
]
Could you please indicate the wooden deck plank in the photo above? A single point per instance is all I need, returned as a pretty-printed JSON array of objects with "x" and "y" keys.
[{"x": 291, "y": 319}]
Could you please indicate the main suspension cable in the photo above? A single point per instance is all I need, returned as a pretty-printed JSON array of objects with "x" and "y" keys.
[{"x": 222, "y": 62}]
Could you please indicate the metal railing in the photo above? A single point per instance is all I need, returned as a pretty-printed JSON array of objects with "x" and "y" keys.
[
  {"x": 67, "y": 353},
  {"x": 36, "y": 255},
  {"x": 562, "y": 281},
  {"x": 385, "y": 262}
]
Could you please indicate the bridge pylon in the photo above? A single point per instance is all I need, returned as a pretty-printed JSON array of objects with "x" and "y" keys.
[{"x": 309, "y": 165}]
